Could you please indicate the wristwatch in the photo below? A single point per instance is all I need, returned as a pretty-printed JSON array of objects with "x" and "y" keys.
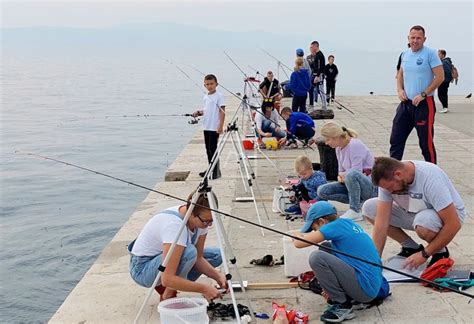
[
  {"x": 423, "y": 94},
  {"x": 424, "y": 254}
]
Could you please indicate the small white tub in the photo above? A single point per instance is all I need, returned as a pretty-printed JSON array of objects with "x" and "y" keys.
[{"x": 183, "y": 311}]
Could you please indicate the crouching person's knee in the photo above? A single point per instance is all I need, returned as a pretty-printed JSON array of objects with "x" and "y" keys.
[
  {"x": 317, "y": 260},
  {"x": 213, "y": 256},
  {"x": 369, "y": 209}
]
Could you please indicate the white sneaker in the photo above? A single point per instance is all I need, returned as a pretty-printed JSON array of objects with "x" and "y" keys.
[
  {"x": 444, "y": 110},
  {"x": 351, "y": 214}
]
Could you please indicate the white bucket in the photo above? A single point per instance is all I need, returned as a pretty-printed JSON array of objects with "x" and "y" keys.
[
  {"x": 296, "y": 260},
  {"x": 183, "y": 311}
]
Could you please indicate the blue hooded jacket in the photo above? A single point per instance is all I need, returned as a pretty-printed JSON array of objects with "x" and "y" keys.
[
  {"x": 298, "y": 120},
  {"x": 299, "y": 82}
]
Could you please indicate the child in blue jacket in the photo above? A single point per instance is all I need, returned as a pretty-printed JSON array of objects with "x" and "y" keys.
[
  {"x": 298, "y": 126},
  {"x": 299, "y": 84}
]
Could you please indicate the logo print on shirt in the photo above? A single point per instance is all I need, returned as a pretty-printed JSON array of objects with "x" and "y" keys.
[{"x": 419, "y": 61}]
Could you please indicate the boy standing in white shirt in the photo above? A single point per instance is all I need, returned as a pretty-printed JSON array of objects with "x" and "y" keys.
[{"x": 213, "y": 120}]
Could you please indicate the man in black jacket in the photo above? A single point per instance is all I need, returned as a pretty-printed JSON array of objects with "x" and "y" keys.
[{"x": 317, "y": 62}]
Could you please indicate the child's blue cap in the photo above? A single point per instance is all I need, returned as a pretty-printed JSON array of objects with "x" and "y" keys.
[
  {"x": 318, "y": 210},
  {"x": 299, "y": 52}
]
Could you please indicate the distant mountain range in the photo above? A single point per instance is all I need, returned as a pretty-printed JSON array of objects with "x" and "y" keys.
[{"x": 164, "y": 37}]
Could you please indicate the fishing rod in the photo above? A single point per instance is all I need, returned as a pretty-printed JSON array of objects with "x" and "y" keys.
[
  {"x": 256, "y": 71},
  {"x": 335, "y": 251},
  {"x": 187, "y": 75},
  {"x": 280, "y": 63},
  {"x": 192, "y": 121},
  {"x": 341, "y": 105}
]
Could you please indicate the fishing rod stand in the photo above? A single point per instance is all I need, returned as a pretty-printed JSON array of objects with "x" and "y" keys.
[
  {"x": 225, "y": 248},
  {"x": 247, "y": 173}
]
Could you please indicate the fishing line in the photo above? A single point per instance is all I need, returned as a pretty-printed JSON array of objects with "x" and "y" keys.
[
  {"x": 247, "y": 222},
  {"x": 192, "y": 121}
]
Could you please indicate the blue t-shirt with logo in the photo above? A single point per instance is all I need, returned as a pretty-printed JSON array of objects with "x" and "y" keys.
[
  {"x": 417, "y": 73},
  {"x": 348, "y": 237}
]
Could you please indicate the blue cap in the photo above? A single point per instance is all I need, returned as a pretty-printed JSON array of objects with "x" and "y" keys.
[
  {"x": 318, "y": 210},
  {"x": 299, "y": 52}
]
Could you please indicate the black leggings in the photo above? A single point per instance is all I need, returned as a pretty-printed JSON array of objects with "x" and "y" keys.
[{"x": 299, "y": 103}]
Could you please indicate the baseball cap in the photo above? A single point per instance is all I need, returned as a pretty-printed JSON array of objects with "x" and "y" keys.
[
  {"x": 299, "y": 52},
  {"x": 318, "y": 210}
]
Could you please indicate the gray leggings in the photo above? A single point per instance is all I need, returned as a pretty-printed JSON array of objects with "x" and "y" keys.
[{"x": 336, "y": 277}]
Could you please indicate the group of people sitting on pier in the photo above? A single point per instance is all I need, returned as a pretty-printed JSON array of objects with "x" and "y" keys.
[{"x": 395, "y": 196}]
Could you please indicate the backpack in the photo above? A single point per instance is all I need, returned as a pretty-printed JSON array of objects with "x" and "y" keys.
[{"x": 454, "y": 74}]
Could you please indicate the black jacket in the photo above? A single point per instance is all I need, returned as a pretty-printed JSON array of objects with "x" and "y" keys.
[
  {"x": 318, "y": 64},
  {"x": 331, "y": 72}
]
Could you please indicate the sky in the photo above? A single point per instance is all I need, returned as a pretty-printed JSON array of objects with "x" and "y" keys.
[{"x": 373, "y": 25}]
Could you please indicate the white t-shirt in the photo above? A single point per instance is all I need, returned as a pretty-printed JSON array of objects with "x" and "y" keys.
[
  {"x": 431, "y": 189},
  {"x": 160, "y": 229},
  {"x": 259, "y": 118},
  {"x": 211, "y": 111}
]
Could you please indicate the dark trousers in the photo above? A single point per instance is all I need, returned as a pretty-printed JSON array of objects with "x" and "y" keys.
[
  {"x": 299, "y": 103},
  {"x": 304, "y": 133},
  {"x": 443, "y": 94},
  {"x": 330, "y": 89},
  {"x": 210, "y": 140},
  {"x": 311, "y": 96},
  {"x": 422, "y": 119}
]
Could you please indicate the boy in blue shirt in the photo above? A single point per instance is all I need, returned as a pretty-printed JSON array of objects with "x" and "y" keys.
[
  {"x": 298, "y": 126},
  {"x": 342, "y": 278}
]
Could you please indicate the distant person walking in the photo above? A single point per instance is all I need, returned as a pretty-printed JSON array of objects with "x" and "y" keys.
[
  {"x": 331, "y": 72},
  {"x": 421, "y": 72},
  {"x": 448, "y": 78},
  {"x": 299, "y": 85}
]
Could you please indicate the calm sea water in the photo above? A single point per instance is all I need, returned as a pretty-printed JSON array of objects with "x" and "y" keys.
[{"x": 55, "y": 220}]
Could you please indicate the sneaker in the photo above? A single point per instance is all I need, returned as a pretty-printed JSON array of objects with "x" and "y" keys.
[
  {"x": 293, "y": 210},
  {"x": 406, "y": 251},
  {"x": 337, "y": 313},
  {"x": 352, "y": 214},
  {"x": 438, "y": 256},
  {"x": 360, "y": 306},
  {"x": 444, "y": 110},
  {"x": 202, "y": 174}
]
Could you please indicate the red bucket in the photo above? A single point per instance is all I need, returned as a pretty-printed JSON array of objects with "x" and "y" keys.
[{"x": 248, "y": 144}]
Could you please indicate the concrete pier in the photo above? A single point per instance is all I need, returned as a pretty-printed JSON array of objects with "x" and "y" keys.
[{"x": 107, "y": 294}]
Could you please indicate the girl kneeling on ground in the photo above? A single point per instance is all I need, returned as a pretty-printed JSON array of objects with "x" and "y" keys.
[
  {"x": 190, "y": 258},
  {"x": 345, "y": 281},
  {"x": 354, "y": 185}
]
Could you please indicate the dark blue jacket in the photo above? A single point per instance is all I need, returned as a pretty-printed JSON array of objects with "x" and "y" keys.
[
  {"x": 299, "y": 82},
  {"x": 298, "y": 120}
]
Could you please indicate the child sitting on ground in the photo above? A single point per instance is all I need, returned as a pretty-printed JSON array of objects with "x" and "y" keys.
[
  {"x": 298, "y": 126},
  {"x": 344, "y": 280},
  {"x": 310, "y": 181}
]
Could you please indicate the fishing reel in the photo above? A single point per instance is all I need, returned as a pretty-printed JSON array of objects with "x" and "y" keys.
[{"x": 193, "y": 120}]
